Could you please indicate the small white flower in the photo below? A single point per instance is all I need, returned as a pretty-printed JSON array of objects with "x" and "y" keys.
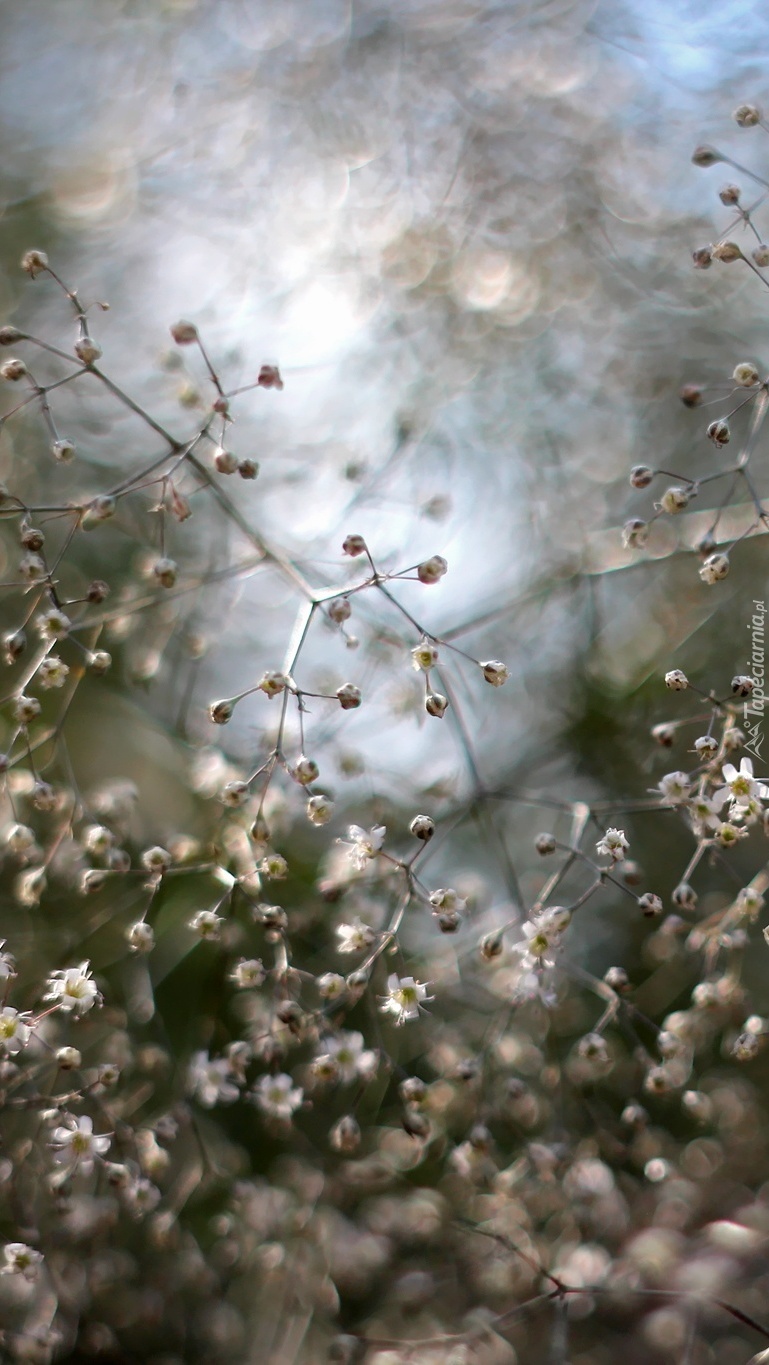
[
  {"x": 345, "y": 1057},
  {"x": 21, "y": 1260},
  {"x": 73, "y": 989},
  {"x": 76, "y": 1145},
  {"x": 206, "y": 924},
  {"x": 7, "y": 963},
  {"x": 363, "y": 844},
  {"x": 14, "y": 1030},
  {"x": 53, "y": 672},
  {"x": 209, "y": 1081},
  {"x": 248, "y": 973},
  {"x": 355, "y": 937},
  {"x": 674, "y": 788},
  {"x": 424, "y": 656},
  {"x": 404, "y": 998},
  {"x": 613, "y": 845},
  {"x": 446, "y": 898},
  {"x": 741, "y": 787},
  {"x": 277, "y": 1096}
]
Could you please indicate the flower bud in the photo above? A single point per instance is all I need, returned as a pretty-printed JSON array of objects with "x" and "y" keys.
[
  {"x": 544, "y": 844},
  {"x": 68, "y": 1058},
  {"x": 225, "y": 461},
  {"x": 165, "y": 571},
  {"x": 13, "y": 370},
  {"x": 269, "y": 377},
  {"x": 345, "y": 1135},
  {"x": 422, "y": 827},
  {"x": 691, "y": 395},
  {"x": 436, "y": 704},
  {"x": 719, "y": 433},
  {"x": 33, "y": 262},
  {"x": 87, "y": 350},
  {"x": 675, "y": 500},
  {"x": 306, "y": 771},
  {"x": 494, "y": 672},
  {"x": 726, "y": 252},
  {"x": 184, "y": 333},
  {"x": 354, "y": 545},
  {"x": 714, "y": 568},
  {"x": 10, "y": 335},
  {"x": 650, "y": 905},
  {"x": 742, "y": 685},
  {"x": 319, "y": 810},
  {"x": 99, "y": 662},
  {"x": 635, "y": 534},
  {"x": 248, "y": 469},
  {"x": 747, "y": 115},
  {"x": 339, "y": 610},
  {"x": 705, "y": 156},
  {"x": 141, "y": 936},
  {"x": 760, "y": 254},
  {"x": 729, "y": 195},
  {"x": 641, "y": 476},
  {"x": 676, "y": 680},
  {"x": 432, "y": 570},
  {"x": 702, "y": 258},
  {"x": 348, "y": 696},
  {"x": 745, "y": 374},
  {"x": 63, "y": 450}
]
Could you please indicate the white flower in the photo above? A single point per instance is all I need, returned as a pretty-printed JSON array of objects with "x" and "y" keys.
[
  {"x": 277, "y": 1096},
  {"x": 541, "y": 934},
  {"x": 446, "y": 898},
  {"x": 741, "y": 787},
  {"x": 355, "y": 937},
  {"x": 21, "y": 1260},
  {"x": 206, "y": 924},
  {"x": 613, "y": 845},
  {"x": 404, "y": 997},
  {"x": 363, "y": 844},
  {"x": 209, "y": 1081},
  {"x": 674, "y": 788},
  {"x": 76, "y": 1145},
  {"x": 424, "y": 656},
  {"x": 248, "y": 973},
  {"x": 14, "y": 1030},
  {"x": 7, "y": 964},
  {"x": 345, "y": 1055},
  {"x": 73, "y": 989}
]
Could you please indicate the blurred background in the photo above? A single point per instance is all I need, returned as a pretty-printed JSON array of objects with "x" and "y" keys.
[{"x": 463, "y": 231}]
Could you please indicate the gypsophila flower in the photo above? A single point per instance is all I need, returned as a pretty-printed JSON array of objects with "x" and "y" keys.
[
  {"x": 355, "y": 937},
  {"x": 209, "y": 1081},
  {"x": 272, "y": 683},
  {"x": 740, "y": 787},
  {"x": 141, "y": 937},
  {"x": 331, "y": 985},
  {"x": 424, "y": 656},
  {"x": 676, "y": 680},
  {"x": 21, "y": 1259},
  {"x": 277, "y": 1096},
  {"x": 715, "y": 568},
  {"x": 674, "y": 788},
  {"x": 72, "y": 989},
  {"x": 248, "y": 973},
  {"x": 404, "y": 998},
  {"x": 350, "y": 1059},
  {"x": 52, "y": 672},
  {"x": 76, "y": 1145},
  {"x": 14, "y": 1030},
  {"x": 7, "y": 963},
  {"x": 362, "y": 845},
  {"x": 613, "y": 845},
  {"x": 319, "y": 810},
  {"x": 206, "y": 924},
  {"x": 446, "y": 898}
]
